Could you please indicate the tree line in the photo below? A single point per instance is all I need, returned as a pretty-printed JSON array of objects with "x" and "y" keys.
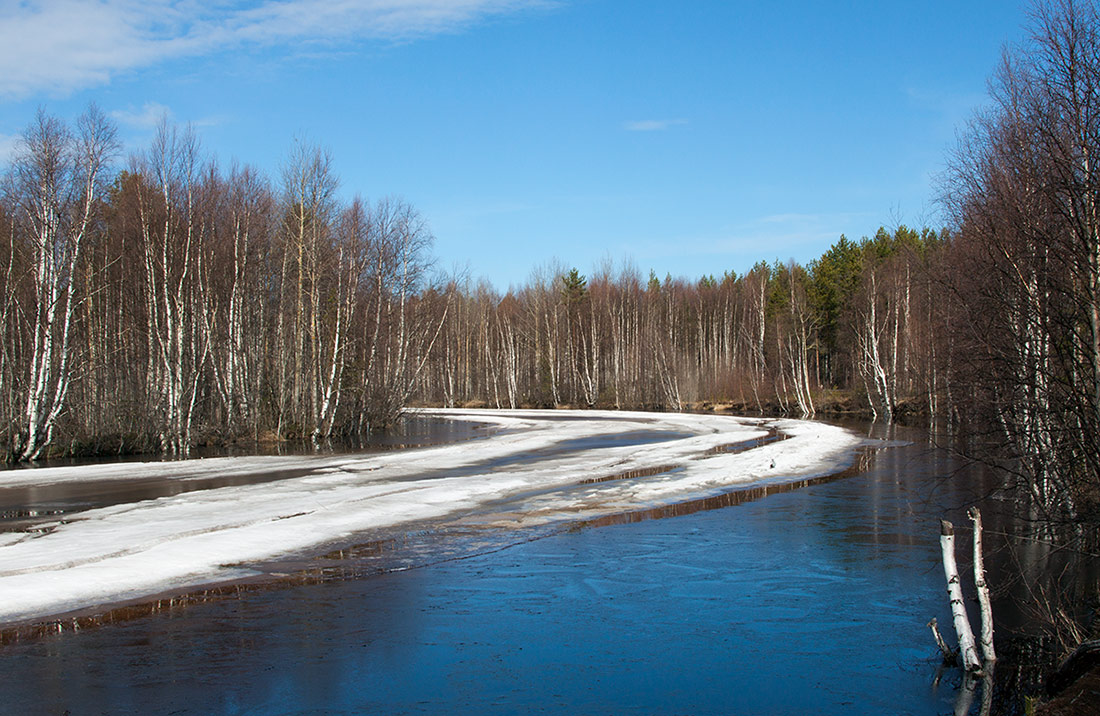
[
  {"x": 166, "y": 301},
  {"x": 854, "y": 330}
]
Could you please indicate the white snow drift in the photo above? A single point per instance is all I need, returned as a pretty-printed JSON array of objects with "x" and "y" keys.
[{"x": 103, "y": 556}]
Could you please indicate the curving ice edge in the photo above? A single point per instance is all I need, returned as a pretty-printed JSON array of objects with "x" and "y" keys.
[{"x": 112, "y": 554}]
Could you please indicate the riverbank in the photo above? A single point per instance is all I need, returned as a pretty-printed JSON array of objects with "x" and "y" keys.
[
  {"x": 209, "y": 442},
  {"x": 1079, "y": 698},
  {"x": 828, "y": 405}
]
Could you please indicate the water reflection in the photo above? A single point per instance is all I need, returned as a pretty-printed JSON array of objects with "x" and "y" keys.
[{"x": 22, "y": 508}]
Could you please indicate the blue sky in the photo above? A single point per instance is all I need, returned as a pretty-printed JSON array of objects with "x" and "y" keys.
[{"x": 687, "y": 137}]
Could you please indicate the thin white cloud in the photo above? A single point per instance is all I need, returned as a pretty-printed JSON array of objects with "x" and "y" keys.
[
  {"x": 148, "y": 117},
  {"x": 946, "y": 102},
  {"x": 8, "y": 143},
  {"x": 213, "y": 120},
  {"x": 803, "y": 221},
  {"x": 803, "y": 236},
  {"x": 652, "y": 125},
  {"x": 151, "y": 113},
  {"x": 58, "y": 46}
]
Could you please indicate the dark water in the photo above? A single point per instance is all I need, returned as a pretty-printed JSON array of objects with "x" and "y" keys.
[
  {"x": 809, "y": 601},
  {"x": 411, "y": 430},
  {"x": 23, "y": 507}
]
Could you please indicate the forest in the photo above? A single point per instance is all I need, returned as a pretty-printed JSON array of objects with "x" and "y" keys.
[{"x": 161, "y": 301}]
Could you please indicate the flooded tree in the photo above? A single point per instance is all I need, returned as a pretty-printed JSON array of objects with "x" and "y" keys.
[
  {"x": 1025, "y": 192},
  {"x": 175, "y": 252}
]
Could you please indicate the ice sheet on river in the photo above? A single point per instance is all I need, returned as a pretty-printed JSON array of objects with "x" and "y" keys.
[{"x": 538, "y": 467}]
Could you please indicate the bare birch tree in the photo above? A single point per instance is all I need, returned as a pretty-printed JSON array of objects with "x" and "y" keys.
[
  {"x": 1025, "y": 190},
  {"x": 59, "y": 179}
]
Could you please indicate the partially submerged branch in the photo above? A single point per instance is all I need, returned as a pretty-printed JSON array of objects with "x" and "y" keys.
[{"x": 949, "y": 655}]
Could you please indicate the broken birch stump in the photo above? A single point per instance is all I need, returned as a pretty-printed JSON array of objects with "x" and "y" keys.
[
  {"x": 983, "y": 589},
  {"x": 967, "y": 648}
]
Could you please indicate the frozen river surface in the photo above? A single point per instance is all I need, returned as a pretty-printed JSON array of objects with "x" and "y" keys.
[
  {"x": 535, "y": 468},
  {"x": 803, "y": 596}
]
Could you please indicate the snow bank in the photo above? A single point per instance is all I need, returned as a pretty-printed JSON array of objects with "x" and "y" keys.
[{"x": 526, "y": 473}]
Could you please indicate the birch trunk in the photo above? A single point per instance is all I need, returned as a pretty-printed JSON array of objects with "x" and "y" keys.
[
  {"x": 60, "y": 176},
  {"x": 983, "y": 589},
  {"x": 967, "y": 649}
]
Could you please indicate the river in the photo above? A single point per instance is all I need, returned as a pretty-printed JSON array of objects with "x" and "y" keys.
[{"x": 770, "y": 601}]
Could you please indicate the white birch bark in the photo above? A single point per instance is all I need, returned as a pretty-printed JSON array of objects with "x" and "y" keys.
[
  {"x": 60, "y": 176},
  {"x": 967, "y": 648},
  {"x": 945, "y": 650},
  {"x": 984, "y": 601}
]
